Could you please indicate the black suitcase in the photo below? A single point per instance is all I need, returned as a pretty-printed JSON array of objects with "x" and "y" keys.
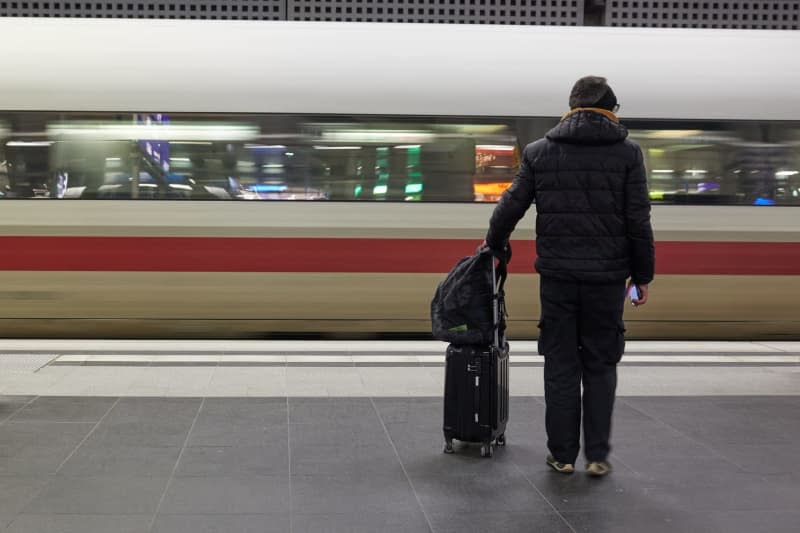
[{"x": 476, "y": 385}]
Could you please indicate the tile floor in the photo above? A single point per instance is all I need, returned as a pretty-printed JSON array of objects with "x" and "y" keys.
[{"x": 717, "y": 464}]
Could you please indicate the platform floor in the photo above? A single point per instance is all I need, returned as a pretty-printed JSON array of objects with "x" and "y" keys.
[{"x": 175, "y": 460}]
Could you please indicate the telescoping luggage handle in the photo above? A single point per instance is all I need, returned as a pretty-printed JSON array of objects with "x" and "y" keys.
[{"x": 499, "y": 275}]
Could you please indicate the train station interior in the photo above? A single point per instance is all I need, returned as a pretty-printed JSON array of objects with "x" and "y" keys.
[{"x": 226, "y": 228}]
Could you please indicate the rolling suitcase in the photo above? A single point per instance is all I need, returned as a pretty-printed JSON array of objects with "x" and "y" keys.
[{"x": 476, "y": 384}]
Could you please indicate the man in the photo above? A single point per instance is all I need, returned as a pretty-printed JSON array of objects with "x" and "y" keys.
[{"x": 592, "y": 233}]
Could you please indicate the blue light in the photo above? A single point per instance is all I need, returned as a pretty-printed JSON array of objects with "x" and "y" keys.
[
  {"x": 267, "y": 188},
  {"x": 175, "y": 178},
  {"x": 764, "y": 201}
]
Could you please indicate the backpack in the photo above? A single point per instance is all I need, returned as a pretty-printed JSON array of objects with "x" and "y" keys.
[{"x": 461, "y": 309}]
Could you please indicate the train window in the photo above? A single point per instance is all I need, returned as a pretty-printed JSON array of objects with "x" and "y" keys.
[
  {"x": 721, "y": 163},
  {"x": 355, "y": 158}
]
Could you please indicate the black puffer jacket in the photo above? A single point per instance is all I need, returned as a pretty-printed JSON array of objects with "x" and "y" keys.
[{"x": 592, "y": 205}]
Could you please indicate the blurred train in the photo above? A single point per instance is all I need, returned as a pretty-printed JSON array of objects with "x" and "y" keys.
[{"x": 231, "y": 179}]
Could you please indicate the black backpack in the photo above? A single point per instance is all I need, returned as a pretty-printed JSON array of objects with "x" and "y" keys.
[{"x": 462, "y": 307}]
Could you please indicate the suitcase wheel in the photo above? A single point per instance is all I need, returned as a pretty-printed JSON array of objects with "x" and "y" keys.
[
  {"x": 501, "y": 440},
  {"x": 448, "y": 447},
  {"x": 486, "y": 449}
]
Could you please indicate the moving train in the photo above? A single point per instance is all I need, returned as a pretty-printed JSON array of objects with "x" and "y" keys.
[{"x": 177, "y": 179}]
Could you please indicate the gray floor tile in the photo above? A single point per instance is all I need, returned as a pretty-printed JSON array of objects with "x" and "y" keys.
[
  {"x": 631, "y": 429},
  {"x": 720, "y": 421},
  {"x": 419, "y": 411},
  {"x": 625, "y": 412},
  {"x": 228, "y": 422},
  {"x": 100, "y": 495},
  {"x": 621, "y": 520},
  {"x": 65, "y": 409},
  {"x": 500, "y": 492},
  {"x": 33, "y": 448},
  {"x": 227, "y": 495},
  {"x": 416, "y": 435},
  {"x": 237, "y": 433},
  {"x": 523, "y": 434},
  {"x": 578, "y": 492},
  {"x": 244, "y": 523},
  {"x": 146, "y": 422},
  {"x": 339, "y": 433},
  {"x": 80, "y": 524},
  {"x": 369, "y": 522},
  {"x": 655, "y": 439},
  {"x": 763, "y": 458},
  {"x": 681, "y": 463},
  {"x": 22, "y": 434},
  {"x": 494, "y": 522},
  {"x": 729, "y": 430},
  {"x": 755, "y": 521},
  {"x": 15, "y": 493},
  {"x": 145, "y": 432},
  {"x": 324, "y": 410},
  {"x": 364, "y": 458},
  {"x": 351, "y": 494},
  {"x": 526, "y": 410},
  {"x": 235, "y": 460},
  {"x": 266, "y": 410},
  {"x": 124, "y": 460},
  {"x": 10, "y": 405},
  {"x": 736, "y": 492},
  {"x": 171, "y": 407}
]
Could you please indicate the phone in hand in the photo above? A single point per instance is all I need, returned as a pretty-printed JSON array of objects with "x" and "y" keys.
[{"x": 634, "y": 293}]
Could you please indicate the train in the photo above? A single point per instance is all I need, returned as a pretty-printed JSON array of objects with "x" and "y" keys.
[{"x": 225, "y": 179}]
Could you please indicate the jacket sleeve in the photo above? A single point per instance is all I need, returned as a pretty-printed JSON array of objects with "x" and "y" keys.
[
  {"x": 512, "y": 206},
  {"x": 637, "y": 222}
]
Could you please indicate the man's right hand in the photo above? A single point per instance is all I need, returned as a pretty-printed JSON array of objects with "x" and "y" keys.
[{"x": 504, "y": 254}]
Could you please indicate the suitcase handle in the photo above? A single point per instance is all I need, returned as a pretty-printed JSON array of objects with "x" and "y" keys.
[{"x": 499, "y": 276}]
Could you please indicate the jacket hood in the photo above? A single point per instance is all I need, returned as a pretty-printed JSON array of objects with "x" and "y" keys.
[{"x": 588, "y": 125}]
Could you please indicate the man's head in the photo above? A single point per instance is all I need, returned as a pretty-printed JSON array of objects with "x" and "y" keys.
[{"x": 592, "y": 91}]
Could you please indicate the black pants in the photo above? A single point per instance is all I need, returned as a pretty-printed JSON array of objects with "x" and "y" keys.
[{"x": 582, "y": 339}]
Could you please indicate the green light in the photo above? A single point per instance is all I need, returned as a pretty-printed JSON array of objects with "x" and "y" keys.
[
  {"x": 413, "y": 188},
  {"x": 380, "y": 189},
  {"x": 357, "y": 191},
  {"x": 656, "y": 195}
]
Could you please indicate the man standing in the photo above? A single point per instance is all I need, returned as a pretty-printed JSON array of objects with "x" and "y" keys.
[{"x": 592, "y": 233}]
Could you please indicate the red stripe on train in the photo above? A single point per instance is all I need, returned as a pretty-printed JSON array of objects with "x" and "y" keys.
[{"x": 249, "y": 254}]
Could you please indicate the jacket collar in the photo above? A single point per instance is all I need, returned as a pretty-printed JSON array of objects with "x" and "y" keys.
[
  {"x": 588, "y": 126},
  {"x": 605, "y": 112}
]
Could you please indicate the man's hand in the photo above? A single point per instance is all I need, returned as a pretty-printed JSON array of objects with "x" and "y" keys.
[
  {"x": 643, "y": 292},
  {"x": 505, "y": 253}
]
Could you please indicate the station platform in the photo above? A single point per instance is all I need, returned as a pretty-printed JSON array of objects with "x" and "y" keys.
[{"x": 263, "y": 436}]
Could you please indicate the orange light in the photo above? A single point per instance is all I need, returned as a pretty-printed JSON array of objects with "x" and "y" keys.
[{"x": 491, "y": 189}]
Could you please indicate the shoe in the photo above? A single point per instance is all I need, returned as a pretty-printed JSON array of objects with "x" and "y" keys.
[
  {"x": 598, "y": 468},
  {"x": 561, "y": 468}
]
